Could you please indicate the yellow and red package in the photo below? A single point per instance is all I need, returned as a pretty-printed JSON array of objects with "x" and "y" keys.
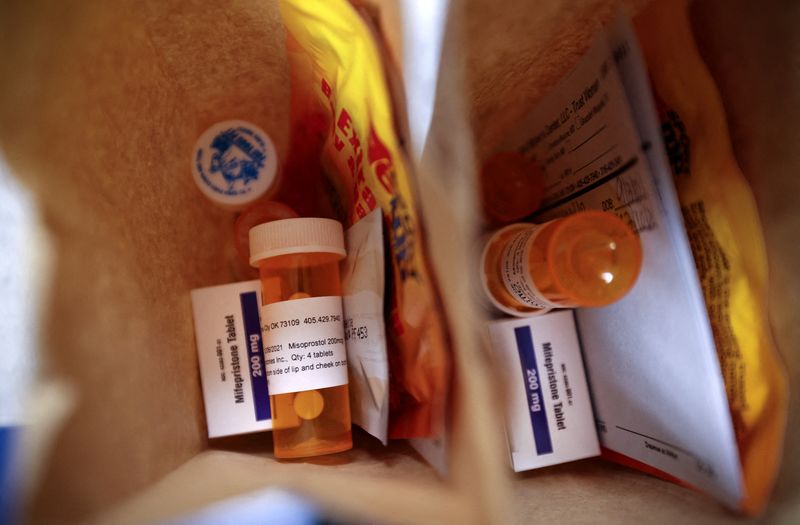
[
  {"x": 724, "y": 230},
  {"x": 343, "y": 140}
]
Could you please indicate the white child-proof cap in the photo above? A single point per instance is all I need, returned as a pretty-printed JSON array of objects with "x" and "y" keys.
[
  {"x": 234, "y": 163},
  {"x": 302, "y": 235}
]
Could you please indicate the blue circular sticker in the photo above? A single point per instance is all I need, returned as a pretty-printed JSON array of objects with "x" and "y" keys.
[{"x": 234, "y": 163}]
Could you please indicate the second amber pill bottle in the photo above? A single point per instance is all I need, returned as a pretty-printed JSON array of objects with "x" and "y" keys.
[
  {"x": 301, "y": 314},
  {"x": 591, "y": 258}
]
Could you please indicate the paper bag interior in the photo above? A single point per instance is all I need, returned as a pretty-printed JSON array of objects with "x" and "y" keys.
[
  {"x": 99, "y": 107},
  {"x": 748, "y": 50}
]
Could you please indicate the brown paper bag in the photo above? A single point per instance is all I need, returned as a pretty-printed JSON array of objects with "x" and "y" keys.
[{"x": 99, "y": 107}]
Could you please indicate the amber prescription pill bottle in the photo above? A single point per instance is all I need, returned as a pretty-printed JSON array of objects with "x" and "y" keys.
[
  {"x": 591, "y": 258},
  {"x": 234, "y": 164},
  {"x": 304, "y": 352},
  {"x": 512, "y": 187}
]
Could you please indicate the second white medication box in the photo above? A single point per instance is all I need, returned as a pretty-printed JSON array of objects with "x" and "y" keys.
[{"x": 549, "y": 416}]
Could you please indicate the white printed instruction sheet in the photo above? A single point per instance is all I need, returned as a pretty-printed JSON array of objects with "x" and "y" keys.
[{"x": 657, "y": 389}]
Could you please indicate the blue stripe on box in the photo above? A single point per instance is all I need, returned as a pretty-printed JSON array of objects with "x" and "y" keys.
[
  {"x": 255, "y": 354},
  {"x": 533, "y": 388},
  {"x": 10, "y": 475}
]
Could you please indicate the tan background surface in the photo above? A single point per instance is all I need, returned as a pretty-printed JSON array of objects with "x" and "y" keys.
[{"x": 101, "y": 103}]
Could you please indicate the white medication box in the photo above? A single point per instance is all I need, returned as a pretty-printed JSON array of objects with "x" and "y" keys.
[
  {"x": 227, "y": 326},
  {"x": 549, "y": 416}
]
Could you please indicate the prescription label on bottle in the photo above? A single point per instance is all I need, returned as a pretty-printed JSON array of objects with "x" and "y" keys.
[
  {"x": 304, "y": 344},
  {"x": 515, "y": 269}
]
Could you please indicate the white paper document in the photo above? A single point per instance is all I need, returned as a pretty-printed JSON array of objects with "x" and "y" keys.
[
  {"x": 365, "y": 335},
  {"x": 653, "y": 370}
]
